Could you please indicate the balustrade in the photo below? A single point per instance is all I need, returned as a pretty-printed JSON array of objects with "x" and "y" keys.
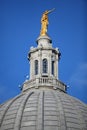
[{"x": 44, "y": 81}]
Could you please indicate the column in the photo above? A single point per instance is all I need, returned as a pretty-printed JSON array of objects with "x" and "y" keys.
[
  {"x": 56, "y": 67},
  {"x": 49, "y": 65}
]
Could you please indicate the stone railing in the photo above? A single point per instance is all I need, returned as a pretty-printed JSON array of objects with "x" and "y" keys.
[{"x": 44, "y": 82}]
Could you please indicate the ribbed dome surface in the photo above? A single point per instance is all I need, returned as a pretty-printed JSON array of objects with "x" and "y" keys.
[{"x": 43, "y": 110}]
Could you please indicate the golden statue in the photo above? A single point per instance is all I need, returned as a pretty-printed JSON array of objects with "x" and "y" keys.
[{"x": 44, "y": 22}]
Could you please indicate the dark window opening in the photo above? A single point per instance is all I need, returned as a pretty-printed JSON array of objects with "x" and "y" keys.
[
  {"x": 52, "y": 67},
  {"x": 36, "y": 67},
  {"x": 45, "y": 66}
]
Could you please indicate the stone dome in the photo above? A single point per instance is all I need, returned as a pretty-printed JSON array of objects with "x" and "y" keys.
[{"x": 43, "y": 109}]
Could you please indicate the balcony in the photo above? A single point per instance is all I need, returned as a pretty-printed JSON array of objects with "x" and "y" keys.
[{"x": 44, "y": 82}]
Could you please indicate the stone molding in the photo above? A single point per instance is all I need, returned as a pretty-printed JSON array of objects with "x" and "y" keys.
[{"x": 44, "y": 82}]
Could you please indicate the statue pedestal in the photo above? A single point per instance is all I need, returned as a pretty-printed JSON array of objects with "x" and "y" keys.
[{"x": 44, "y": 41}]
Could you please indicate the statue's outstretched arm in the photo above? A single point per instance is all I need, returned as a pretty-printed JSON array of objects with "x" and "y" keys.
[{"x": 49, "y": 11}]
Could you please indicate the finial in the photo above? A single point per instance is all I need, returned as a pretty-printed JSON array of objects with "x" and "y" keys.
[{"x": 44, "y": 22}]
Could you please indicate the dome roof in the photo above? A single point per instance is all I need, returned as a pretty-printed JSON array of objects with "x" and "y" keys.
[{"x": 42, "y": 109}]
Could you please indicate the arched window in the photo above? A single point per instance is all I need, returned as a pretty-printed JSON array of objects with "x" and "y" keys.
[
  {"x": 52, "y": 68},
  {"x": 45, "y": 65},
  {"x": 36, "y": 67}
]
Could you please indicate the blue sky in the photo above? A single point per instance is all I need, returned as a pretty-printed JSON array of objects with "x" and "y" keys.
[{"x": 19, "y": 29}]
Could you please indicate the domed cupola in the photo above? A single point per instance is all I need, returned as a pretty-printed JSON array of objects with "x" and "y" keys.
[
  {"x": 43, "y": 103},
  {"x": 44, "y": 64},
  {"x": 44, "y": 61}
]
